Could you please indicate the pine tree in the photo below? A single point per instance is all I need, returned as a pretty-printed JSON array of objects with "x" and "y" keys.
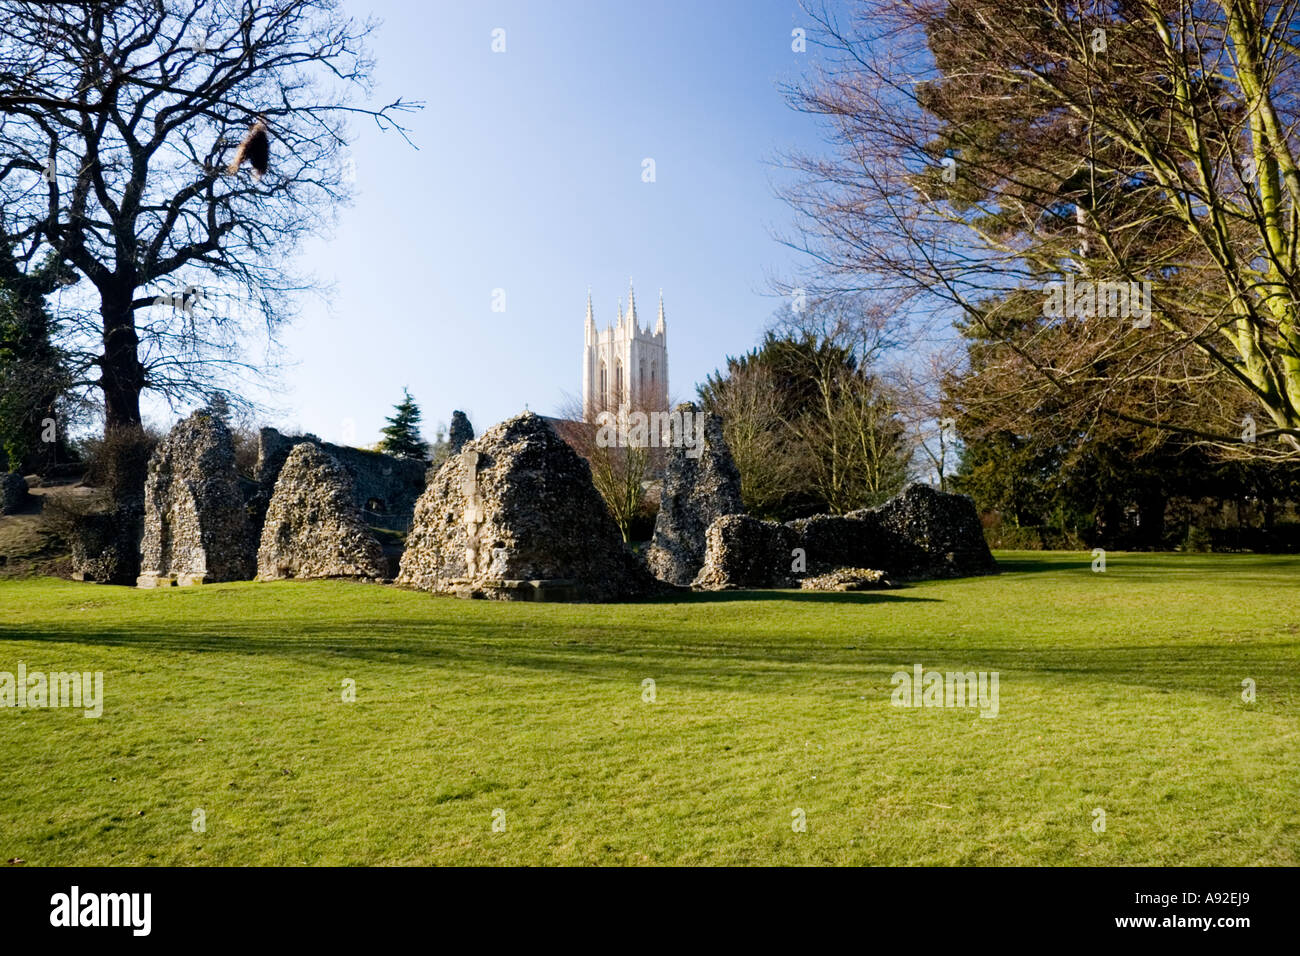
[
  {"x": 402, "y": 433},
  {"x": 34, "y": 375}
]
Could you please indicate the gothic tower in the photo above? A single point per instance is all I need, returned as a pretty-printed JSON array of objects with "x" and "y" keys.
[{"x": 624, "y": 364}]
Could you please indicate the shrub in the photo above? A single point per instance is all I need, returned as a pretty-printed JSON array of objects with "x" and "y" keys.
[
  {"x": 118, "y": 461},
  {"x": 1198, "y": 539}
]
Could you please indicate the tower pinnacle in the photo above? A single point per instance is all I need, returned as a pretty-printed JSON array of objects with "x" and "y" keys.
[{"x": 624, "y": 363}]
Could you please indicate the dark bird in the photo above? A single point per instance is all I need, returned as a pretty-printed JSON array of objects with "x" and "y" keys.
[{"x": 254, "y": 147}]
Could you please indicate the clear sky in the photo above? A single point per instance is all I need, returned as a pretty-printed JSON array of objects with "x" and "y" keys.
[{"x": 528, "y": 178}]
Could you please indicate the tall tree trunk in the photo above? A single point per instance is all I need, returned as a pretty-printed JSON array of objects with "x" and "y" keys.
[
  {"x": 126, "y": 447},
  {"x": 122, "y": 375}
]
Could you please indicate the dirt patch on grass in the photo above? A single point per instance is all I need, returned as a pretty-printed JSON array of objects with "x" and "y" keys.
[{"x": 30, "y": 544}]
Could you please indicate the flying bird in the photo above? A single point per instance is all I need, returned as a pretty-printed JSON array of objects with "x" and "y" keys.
[{"x": 254, "y": 147}]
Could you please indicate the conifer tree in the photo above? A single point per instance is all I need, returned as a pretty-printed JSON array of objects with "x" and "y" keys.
[{"x": 402, "y": 433}]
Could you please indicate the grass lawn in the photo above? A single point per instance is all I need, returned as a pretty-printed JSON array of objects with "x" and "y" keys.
[{"x": 1120, "y": 691}]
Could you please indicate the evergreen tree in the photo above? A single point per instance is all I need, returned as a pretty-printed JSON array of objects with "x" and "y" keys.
[
  {"x": 402, "y": 433},
  {"x": 219, "y": 405},
  {"x": 810, "y": 425},
  {"x": 33, "y": 373}
]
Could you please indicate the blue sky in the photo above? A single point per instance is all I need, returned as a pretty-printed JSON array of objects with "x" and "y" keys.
[{"x": 528, "y": 179}]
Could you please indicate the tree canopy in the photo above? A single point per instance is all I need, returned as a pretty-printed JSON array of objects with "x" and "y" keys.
[
  {"x": 1143, "y": 146},
  {"x": 811, "y": 425},
  {"x": 120, "y": 121}
]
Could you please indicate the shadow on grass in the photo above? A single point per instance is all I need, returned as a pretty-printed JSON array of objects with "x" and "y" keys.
[
  {"x": 813, "y": 597},
  {"x": 1149, "y": 562},
  {"x": 1040, "y": 565},
  {"x": 619, "y": 652}
]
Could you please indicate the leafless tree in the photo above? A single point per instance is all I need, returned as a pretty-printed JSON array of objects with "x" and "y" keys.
[
  {"x": 749, "y": 406},
  {"x": 981, "y": 149},
  {"x": 807, "y": 414},
  {"x": 621, "y": 473},
  {"x": 119, "y": 123},
  {"x": 851, "y": 430}
]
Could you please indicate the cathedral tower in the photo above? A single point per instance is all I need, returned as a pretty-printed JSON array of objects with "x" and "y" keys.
[{"x": 624, "y": 364}]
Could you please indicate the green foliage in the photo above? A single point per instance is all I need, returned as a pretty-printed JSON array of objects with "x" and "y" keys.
[
  {"x": 402, "y": 433},
  {"x": 1101, "y": 480},
  {"x": 1112, "y": 492},
  {"x": 1004, "y": 473},
  {"x": 1197, "y": 540},
  {"x": 32, "y": 379},
  {"x": 811, "y": 427}
]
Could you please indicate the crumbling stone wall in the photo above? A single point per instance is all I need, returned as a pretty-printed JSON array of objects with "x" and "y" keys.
[
  {"x": 920, "y": 533},
  {"x": 515, "y": 516},
  {"x": 104, "y": 546},
  {"x": 744, "y": 552},
  {"x": 829, "y": 542},
  {"x": 460, "y": 432},
  {"x": 847, "y": 579},
  {"x": 700, "y": 486},
  {"x": 384, "y": 488},
  {"x": 13, "y": 493},
  {"x": 313, "y": 528},
  {"x": 934, "y": 535},
  {"x": 195, "y": 526},
  {"x": 105, "y": 538}
]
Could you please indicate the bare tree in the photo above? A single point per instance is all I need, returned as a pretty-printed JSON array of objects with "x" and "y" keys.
[
  {"x": 121, "y": 121},
  {"x": 749, "y": 404},
  {"x": 812, "y": 424},
  {"x": 983, "y": 149},
  {"x": 620, "y": 472},
  {"x": 851, "y": 426},
  {"x": 925, "y": 407}
]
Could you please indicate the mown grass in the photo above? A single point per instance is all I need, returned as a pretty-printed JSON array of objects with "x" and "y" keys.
[{"x": 1119, "y": 691}]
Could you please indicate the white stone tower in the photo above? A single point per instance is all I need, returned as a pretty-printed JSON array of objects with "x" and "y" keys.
[{"x": 625, "y": 364}]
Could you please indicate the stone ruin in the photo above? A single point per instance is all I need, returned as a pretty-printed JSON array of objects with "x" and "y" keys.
[
  {"x": 939, "y": 534},
  {"x": 745, "y": 552},
  {"x": 515, "y": 516},
  {"x": 384, "y": 487},
  {"x": 104, "y": 532},
  {"x": 13, "y": 493},
  {"x": 459, "y": 432},
  {"x": 699, "y": 487},
  {"x": 195, "y": 526},
  {"x": 103, "y": 546},
  {"x": 313, "y": 528},
  {"x": 921, "y": 533},
  {"x": 847, "y": 579}
]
